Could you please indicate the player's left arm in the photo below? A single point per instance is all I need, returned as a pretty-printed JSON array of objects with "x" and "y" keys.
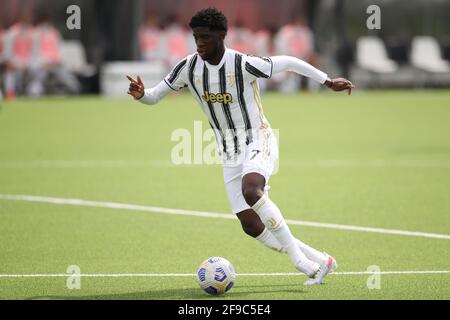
[
  {"x": 339, "y": 84},
  {"x": 288, "y": 63}
]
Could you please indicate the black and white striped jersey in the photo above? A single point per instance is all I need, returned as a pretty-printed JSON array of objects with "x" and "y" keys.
[{"x": 228, "y": 93}]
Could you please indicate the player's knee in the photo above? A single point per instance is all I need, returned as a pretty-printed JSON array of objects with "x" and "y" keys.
[
  {"x": 252, "y": 193},
  {"x": 251, "y": 223},
  {"x": 253, "y": 187}
]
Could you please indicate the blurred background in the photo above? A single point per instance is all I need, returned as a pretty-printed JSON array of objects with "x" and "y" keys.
[{"x": 42, "y": 53}]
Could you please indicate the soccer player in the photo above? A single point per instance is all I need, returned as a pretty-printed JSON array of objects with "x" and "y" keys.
[{"x": 224, "y": 83}]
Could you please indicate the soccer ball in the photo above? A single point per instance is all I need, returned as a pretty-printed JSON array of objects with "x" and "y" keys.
[{"x": 216, "y": 275}]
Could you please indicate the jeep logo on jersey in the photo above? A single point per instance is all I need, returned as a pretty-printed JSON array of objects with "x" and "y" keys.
[{"x": 218, "y": 97}]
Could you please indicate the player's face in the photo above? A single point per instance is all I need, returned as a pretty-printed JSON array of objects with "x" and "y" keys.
[{"x": 209, "y": 43}]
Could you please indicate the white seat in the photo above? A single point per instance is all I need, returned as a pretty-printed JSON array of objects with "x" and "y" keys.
[
  {"x": 426, "y": 55},
  {"x": 74, "y": 58},
  {"x": 113, "y": 81},
  {"x": 371, "y": 55}
]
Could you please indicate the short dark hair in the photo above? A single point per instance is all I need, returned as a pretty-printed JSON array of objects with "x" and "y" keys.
[{"x": 209, "y": 17}]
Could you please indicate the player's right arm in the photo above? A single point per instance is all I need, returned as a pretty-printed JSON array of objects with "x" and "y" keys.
[
  {"x": 147, "y": 96},
  {"x": 174, "y": 81}
]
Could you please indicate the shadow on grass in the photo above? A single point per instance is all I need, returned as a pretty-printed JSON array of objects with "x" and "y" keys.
[{"x": 182, "y": 294}]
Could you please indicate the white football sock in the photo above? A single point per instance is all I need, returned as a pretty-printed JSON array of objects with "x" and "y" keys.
[
  {"x": 272, "y": 218},
  {"x": 311, "y": 253},
  {"x": 267, "y": 238}
]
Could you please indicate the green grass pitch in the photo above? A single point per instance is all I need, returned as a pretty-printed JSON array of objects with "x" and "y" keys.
[{"x": 375, "y": 159}]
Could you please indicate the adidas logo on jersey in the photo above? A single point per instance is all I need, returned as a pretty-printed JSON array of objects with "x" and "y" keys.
[{"x": 218, "y": 97}]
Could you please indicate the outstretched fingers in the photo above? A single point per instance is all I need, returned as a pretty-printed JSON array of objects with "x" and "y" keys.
[
  {"x": 350, "y": 87},
  {"x": 138, "y": 80},
  {"x": 131, "y": 79},
  {"x": 341, "y": 84},
  {"x": 136, "y": 88}
]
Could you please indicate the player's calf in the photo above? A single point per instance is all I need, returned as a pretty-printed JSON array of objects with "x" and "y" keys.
[{"x": 251, "y": 223}]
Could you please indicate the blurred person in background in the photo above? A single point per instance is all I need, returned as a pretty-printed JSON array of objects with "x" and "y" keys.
[
  {"x": 263, "y": 47},
  {"x": 151, "y": 40},
  {"x": 2, "y": 32},
  {"x": 46, "y": 42},
  {"x": 263, "y": 42},
  {"x": 2, "y": 59},
  {"x": 177, "y": 41},
  {"x": 295, "y": 39},
  {"x": 242, "y": 39},
  {"x": 18, "y": 55}
]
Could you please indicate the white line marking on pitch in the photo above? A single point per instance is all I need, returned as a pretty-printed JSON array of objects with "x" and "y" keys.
[
  {"x": 321, "y": 163},
  {"x": 69, "y": 164},
  {"x": 124, "y": 206},
  {"x": 160, "y": 275}
]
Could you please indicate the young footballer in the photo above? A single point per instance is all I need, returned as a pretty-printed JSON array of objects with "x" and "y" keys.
[{"x": 224, "y": 83}]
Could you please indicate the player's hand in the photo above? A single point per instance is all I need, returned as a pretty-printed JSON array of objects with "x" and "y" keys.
[
  {"x": 136, "y": 89},
  {"x": 340, "y": 84}
]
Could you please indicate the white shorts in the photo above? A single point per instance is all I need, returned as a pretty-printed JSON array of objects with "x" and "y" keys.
[{"x": 261, "y": 156}]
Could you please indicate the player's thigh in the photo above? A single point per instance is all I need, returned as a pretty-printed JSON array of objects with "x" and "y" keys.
[
  {"x": 233, "y": 186},
  {"x": 261, "y": 155}
]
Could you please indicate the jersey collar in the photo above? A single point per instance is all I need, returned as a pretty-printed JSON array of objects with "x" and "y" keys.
[{"x": 222, "y": 61}]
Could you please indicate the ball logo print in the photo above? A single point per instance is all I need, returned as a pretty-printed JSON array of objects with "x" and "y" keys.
[{"x": 216, "y": 275}]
